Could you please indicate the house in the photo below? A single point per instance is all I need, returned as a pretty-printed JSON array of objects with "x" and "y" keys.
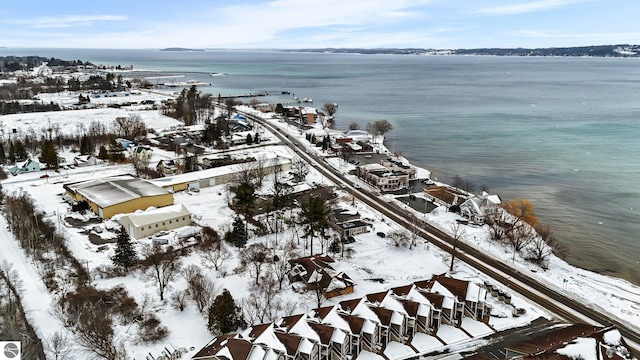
[
  {"x": 141, "y": 224},
  {"x": 475, "y": 207},
  {"x": 352, "y": 228},
  {"x": 142, "y": 152},
  {"x": 399, "y": 166},
  {"x": 445, "y": 195},
  {"x": 167, "y": 167},
  {"x": 372, "y": 326},
  {"x": 383, "y": 178},
  {"x": 316, "y": 273},
  {"x": 117, "y": 195},
  {"x": 577, "y": 341},
  {"x": 27, "y": 166},
  {"x": 84, "y": 160},
  {"x": 224, "y": 347},
  {"x": 124, "y": 143},
  {"x": 461, "y": 298}
]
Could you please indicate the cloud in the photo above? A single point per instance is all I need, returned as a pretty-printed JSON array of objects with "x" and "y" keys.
[
  {"x": 525, "y": 7},
  {"x": 64, "y": 21}
]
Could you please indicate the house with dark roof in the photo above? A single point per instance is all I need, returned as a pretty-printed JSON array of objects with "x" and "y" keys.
[
  {"x": 385, "y": 179},
  {"x": 573, "y": 342},
  {"x": 316, "y": 273},
  {"x": 364, "y": 326},
  {"x": 225, "y": 347}
]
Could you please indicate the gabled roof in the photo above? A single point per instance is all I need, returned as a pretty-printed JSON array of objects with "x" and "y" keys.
[
  {"x": 457, "y": 287},
  {"x": 384, "y": 315},
  {"x": 111, "y": 191},
  {"x": 325, "y": 332},
  {"x": 578, "y": 341},
  {"x": 143, "y": 218},
  {"x": 230, "y": 346}
]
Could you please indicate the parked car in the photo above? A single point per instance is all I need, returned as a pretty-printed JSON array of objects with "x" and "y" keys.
[
  {"x": 368, "y": 156},
  {"x": 349, "y": 240},
  {"x": 381, "y": 234},
  {"x": 44, "y": 176}
]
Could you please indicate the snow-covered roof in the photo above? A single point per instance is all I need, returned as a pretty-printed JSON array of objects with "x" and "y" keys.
[
  {"x": 210, "y": 173},
  {"x": 142, "y": 218},
  {"x": 580, "y": 348},
  {"x": 111, "y": 191}
]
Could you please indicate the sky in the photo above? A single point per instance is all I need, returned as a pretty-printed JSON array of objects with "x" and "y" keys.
[{"x": 291, "y": 24}]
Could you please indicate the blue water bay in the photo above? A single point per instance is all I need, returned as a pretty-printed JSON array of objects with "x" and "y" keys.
[{"x": 561, "y": 132}]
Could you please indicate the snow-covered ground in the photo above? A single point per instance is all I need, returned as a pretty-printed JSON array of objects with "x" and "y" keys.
[{"x": 373, "y": 257}]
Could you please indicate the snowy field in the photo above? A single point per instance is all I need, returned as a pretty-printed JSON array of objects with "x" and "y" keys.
[{"x": 373, "y": 257}]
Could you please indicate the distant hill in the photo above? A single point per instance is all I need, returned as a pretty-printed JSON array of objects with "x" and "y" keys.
[
  {"x": 579, "y": 51},
  {"x": 180, "y": 49}
]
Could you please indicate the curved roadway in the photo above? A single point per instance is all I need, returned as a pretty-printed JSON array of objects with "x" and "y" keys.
[{"x": 523, "y": 284}]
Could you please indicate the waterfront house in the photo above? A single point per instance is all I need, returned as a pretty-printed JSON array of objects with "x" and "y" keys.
[{"x": 383, "y": 178}]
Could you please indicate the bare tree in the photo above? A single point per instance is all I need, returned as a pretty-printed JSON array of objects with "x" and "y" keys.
[
  {"x": 59, "y": 346},
  {"x": 399, "y": 237},
  {"x": 544, "y": 245},
  {"x": 518, "y": 236},
  {"x": 379, "y": 128},
  {"x": 253, "y": 258},
  {"x": 260, "y": 171},
  {"x": 329, "y": 109},
  {"x": 162, "y": 266},
  {"x": 215, "y": 252},
  {"x": 93, "y": 331},
  {"x": 397, "y": 154},
  {"x": 200, "y": 287},
  {"x": 246, "y": 174},
  {"x": 131, "y": 127},
  {"x": 280, "y": 266},
  {"x": 495, "y": 218},
  {"x": 457, "y": 233},
  {"x": 300, "y": 168},
  {"x": 140, "y": 162},
  {"x": 462, "y": 184},
  {"x": 265, "y": 304},
  {"x": 354, "y": 126}
]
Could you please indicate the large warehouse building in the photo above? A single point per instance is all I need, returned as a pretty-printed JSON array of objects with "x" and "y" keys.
[{"x": 116, "y": 195}]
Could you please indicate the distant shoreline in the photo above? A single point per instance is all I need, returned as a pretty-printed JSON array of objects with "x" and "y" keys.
[{"x": 180, "y": 49}]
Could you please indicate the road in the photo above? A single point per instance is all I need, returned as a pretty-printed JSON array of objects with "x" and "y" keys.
[{"x": 522, "y": 283}]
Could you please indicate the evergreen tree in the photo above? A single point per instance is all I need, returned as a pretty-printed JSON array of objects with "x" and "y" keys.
[
  {"x": 256, "y": 139},
  {"x": 86, "y": 147},
  {"x": 3, "y": 156},
  {"x": 224, "y": 315},
  {"x": 314, "y": 215},
  {"x": 239, "y": 233},
  {"x": 21, "y": 152},
  {"x": 249, "y": 139},
  {"x": 103, "y": 154},
  {"x": 125, "y": 252},
  {"x": 245, "y": 198},
  {"x": 48, "y": 154},
  {"x": 12, "y": 153}
]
